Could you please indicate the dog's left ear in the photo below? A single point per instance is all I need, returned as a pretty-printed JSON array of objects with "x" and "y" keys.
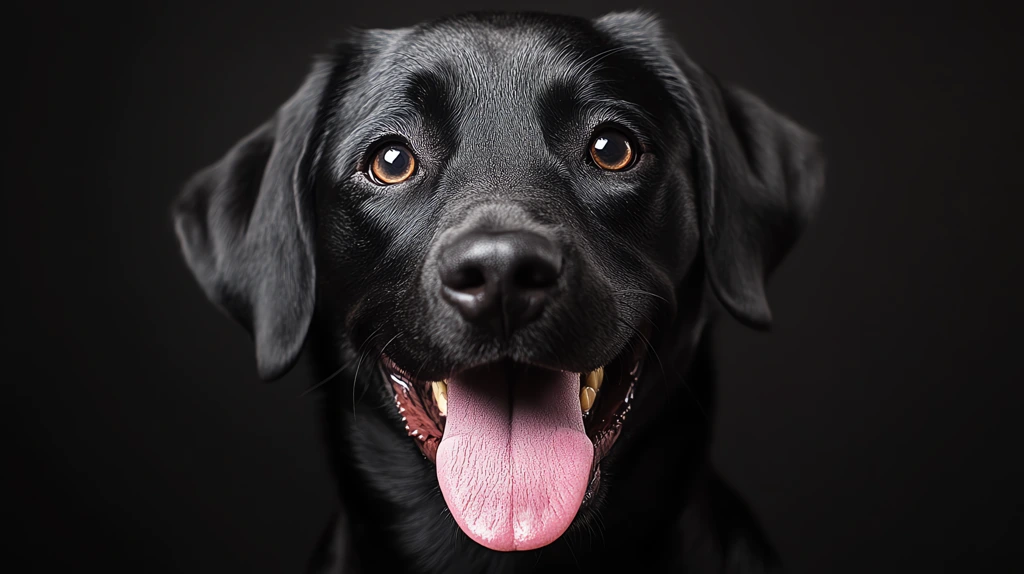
[
  {"x": 245, "y": 225},
  {"x": 758, "y": 174},
  {"x": 762, "y": 176}
]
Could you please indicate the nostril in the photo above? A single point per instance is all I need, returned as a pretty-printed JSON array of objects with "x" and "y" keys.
[
  {"x": 535, "y": 274},
  {"x": 468, "y": 279}
]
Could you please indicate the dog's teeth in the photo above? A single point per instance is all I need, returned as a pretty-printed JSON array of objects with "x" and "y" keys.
[
  {"x": 441, "y": 396},
  {"x": 595, "y": 378},
  {"x": 587, "y": 396}
]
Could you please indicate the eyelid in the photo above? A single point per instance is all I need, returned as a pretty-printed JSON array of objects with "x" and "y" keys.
[
  {"x": 378, "y": 142},
  {"x": 627, "y": 118}
]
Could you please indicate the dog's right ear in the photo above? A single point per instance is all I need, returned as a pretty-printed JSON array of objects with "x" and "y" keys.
[
  {"x": 245, "y": 225},
  {"x": 759, "y": 175}
]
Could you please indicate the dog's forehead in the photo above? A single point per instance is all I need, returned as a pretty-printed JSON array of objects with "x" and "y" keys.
[
  {"x": 482, "y": 64},
  {"x": 501, "y": 51}
]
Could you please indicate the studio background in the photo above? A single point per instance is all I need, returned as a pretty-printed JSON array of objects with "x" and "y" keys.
[{"x": 876, "y": 429}]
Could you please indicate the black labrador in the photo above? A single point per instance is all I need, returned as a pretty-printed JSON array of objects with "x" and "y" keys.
[{"x": 500, "y": 238}]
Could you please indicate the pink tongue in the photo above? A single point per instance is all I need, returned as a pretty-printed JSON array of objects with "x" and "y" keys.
[{"x": 514, "y": 462}]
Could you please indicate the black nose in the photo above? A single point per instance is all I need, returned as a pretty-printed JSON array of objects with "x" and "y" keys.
[{"x": 499, "y": 280}]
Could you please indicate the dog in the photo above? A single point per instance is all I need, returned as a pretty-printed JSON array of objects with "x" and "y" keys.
[{"x": 501, "y": 239}]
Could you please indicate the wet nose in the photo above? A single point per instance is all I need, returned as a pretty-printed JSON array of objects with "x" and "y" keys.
[{"x": 500, "y": 280}]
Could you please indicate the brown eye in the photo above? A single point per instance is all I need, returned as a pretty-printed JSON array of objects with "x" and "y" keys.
[
  {"x": 611, "y": 150},
  {"x": 393, "y": 163}
]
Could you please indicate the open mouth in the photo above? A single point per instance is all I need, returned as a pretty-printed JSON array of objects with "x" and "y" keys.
[{"x": 517, "y": 447}]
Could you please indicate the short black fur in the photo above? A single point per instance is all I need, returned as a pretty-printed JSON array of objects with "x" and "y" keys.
[{"x": 288, "y": 236}]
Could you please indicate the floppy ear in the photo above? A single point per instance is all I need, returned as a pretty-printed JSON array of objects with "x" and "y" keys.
[
  {"x": 245, "y": 226},
  {"x": 762, "y": 175},
  {"x": 758, "y": 174}
]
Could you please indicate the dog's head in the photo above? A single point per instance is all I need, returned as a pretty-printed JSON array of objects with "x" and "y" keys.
[{"x": 506, "y": 210}]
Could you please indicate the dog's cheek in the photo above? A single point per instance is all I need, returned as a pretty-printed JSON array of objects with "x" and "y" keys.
[
  {"x": 378, "y": 250},
  {"x": 680, "y": 230},
  {"x": 346, "y": 250}
]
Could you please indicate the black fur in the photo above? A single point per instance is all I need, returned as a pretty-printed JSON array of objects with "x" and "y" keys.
[{"x": 288, "y": 235}]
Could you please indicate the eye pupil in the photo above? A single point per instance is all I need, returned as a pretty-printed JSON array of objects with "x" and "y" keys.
[
  {"x": 393, "y": 163},
  {"x": 611, "y": 151}
]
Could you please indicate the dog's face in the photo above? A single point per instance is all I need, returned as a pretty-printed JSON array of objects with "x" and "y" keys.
[{"x": 502, "y": 213}]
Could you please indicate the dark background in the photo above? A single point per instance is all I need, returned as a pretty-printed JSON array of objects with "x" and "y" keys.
[{"x": 877, "y": 429}]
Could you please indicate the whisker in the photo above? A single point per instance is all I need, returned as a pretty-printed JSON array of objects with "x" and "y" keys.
[
  {"x": 323, "y": 382},
  {"x": 359, "y": 363},
  {"x": 379, "y": 354},
  {"x": 649, "y": 346},
  {"x": 665, "y": 376},
  {"x": 335, "y": 373},
  {"x": 355, "y": 380},
  {"x": 420, "y": 369},
  {"x": 601, "y": 527},
  {"x": 641, "y": 314},
  {"x": 537, "y": 561},
  {"x": 574, "y": 559},
  {"x": 642, "y": 292}
]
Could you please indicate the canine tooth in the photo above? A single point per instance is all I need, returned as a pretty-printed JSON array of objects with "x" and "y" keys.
[
  {"x": 441, "y": 396},
  {"x": 587, "y": 396},
  {"x": 595, "y": 378}
]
